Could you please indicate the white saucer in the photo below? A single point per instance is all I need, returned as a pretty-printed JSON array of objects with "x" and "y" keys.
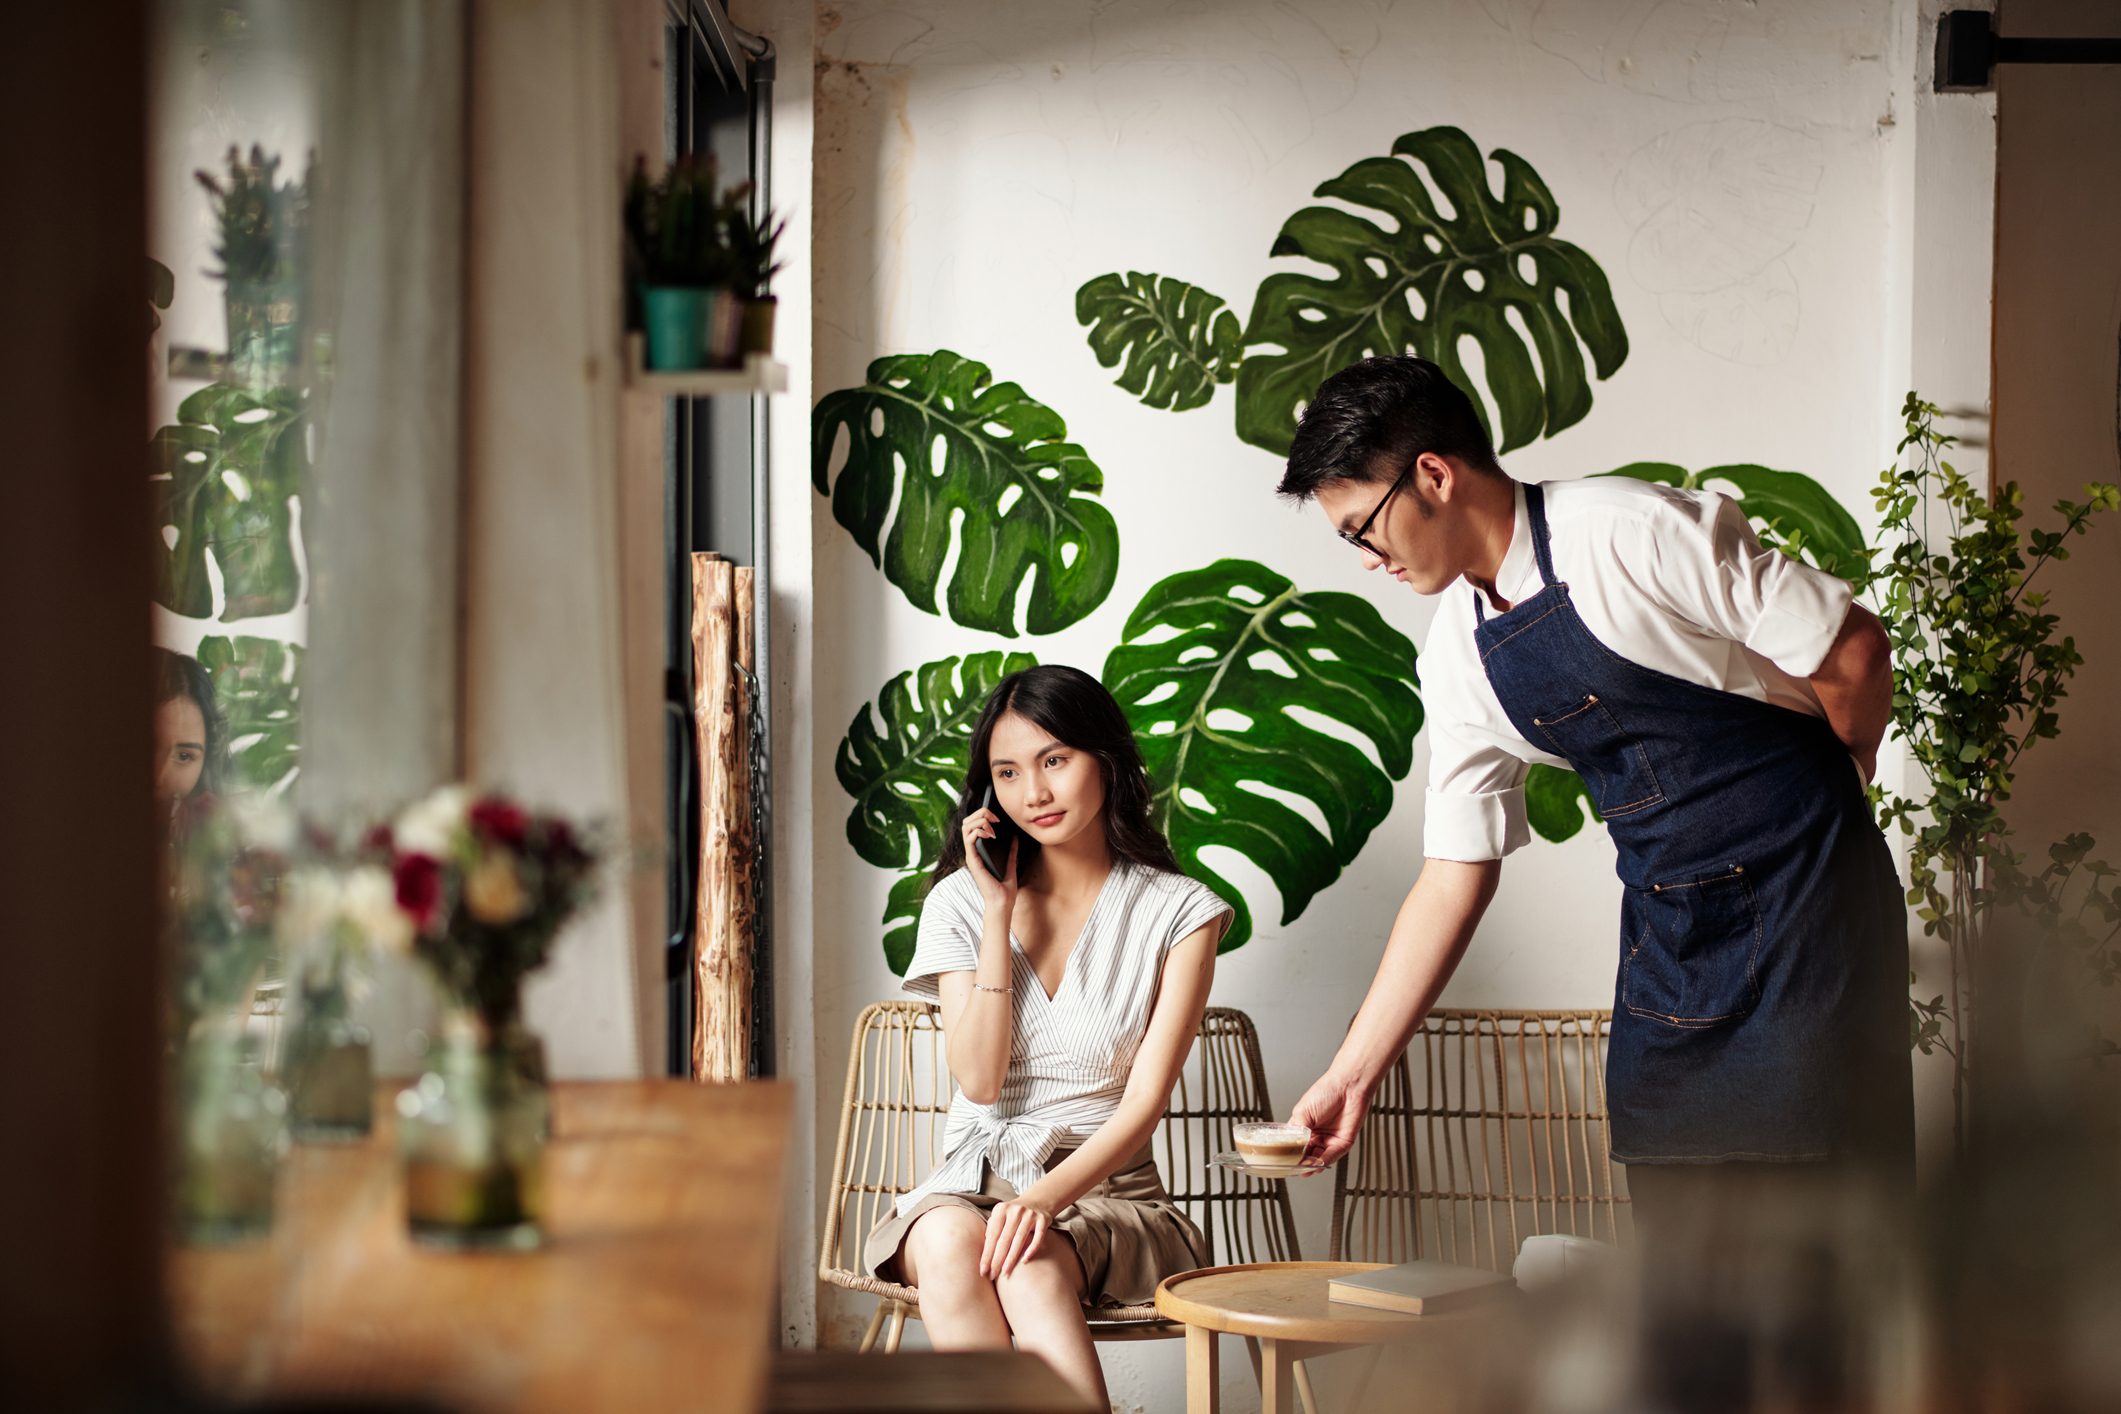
[{"x": 1235, "y": 1163}]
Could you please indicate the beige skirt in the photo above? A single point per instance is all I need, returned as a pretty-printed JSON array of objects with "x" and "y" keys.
[{"x": 1126, "y": 1232}]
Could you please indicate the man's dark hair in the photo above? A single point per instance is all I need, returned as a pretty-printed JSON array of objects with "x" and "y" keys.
[{"x": 1372, "y": 418}]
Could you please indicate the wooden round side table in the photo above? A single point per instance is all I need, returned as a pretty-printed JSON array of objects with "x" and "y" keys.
[{"x": 1283, "y": 1306}]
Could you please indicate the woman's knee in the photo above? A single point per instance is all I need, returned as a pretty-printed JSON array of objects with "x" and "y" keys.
[
  {"x": 1053, "y": 1271},
  {"x": 944, "y": 1246}
]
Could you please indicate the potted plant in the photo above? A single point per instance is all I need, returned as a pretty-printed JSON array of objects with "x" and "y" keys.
[
  {"x": 675, "y": 243},
  {"x": 752, "y": 267},
  {"x": 1979, "y": 668},
  {"x": 486, "y": 886},
  {"x": 264, "y": 253}
]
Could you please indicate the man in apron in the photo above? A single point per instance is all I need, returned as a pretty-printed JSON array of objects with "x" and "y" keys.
[{"x": 1723, "y": 704}]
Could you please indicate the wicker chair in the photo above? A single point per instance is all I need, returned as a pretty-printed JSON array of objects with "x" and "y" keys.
[
  {"x": 1495, "y": 1132},
  {"x": 891, "y": 1131}
]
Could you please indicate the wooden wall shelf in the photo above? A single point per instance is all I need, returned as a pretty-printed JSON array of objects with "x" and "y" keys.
[{"x": 760, "y": 374}]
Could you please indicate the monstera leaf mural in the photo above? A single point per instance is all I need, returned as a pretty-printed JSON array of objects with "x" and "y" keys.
[
  {"x": 902, "y": 919},
  {"x": 224, "y": 479},
  {"x": 258, "y": 687},
  {"x": 1555, "y": 802},
  {"x": 1178, "y": 340},
  {"x": 1426, "y": 279},
  {"x": 1791, "y": 511},
  {"x": 905, "y": 777},
  {"x": 1226, "y": 674},
  {"x": 1422, "y": 280},
  {"x": 931, "y": 440}
]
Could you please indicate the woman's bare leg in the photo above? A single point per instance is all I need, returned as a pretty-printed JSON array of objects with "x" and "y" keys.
[
  {"x": 1043, "y": 1300},
  {"x": 941, "y": 1257}
]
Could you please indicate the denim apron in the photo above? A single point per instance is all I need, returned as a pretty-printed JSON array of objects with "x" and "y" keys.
[{"x": 1761, "y": 1008}]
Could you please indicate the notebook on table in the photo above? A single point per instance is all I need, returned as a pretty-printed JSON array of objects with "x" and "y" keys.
[{"x": 1420, "y": 1288}]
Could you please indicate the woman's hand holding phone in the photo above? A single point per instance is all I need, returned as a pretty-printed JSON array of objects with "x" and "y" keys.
[{"x": 994, "y": 893}]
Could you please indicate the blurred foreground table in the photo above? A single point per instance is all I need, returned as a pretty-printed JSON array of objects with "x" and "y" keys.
[
  {"x": 920, "y": 1382},
  {"x": 655, "y": 1288}
]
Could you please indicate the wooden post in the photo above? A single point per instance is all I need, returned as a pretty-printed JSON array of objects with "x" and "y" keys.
[
  {"x": 743, "y": 907},
  {"x": 722, "y": 960}
]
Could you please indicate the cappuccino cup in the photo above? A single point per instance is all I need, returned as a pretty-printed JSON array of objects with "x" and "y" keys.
[{"x": 1272, "y": 1146}]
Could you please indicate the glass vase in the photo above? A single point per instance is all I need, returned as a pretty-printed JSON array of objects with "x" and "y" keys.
[
  {"x": 331, "y": 1081},
  {"x": 233, "y": 1134},
  {"x": 472, "y": 1137}
]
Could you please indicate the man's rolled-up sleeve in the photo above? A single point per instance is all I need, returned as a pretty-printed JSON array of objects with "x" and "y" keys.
[{"x": 1475, "y": 808}]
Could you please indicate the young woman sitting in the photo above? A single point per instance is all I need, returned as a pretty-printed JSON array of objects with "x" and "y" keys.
[{"x": 1071, "y": 989}]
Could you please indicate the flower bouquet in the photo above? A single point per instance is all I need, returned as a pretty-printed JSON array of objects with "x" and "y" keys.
[
  {"x": 486, "y": 886},
  {"x": 334, "y": 918}
]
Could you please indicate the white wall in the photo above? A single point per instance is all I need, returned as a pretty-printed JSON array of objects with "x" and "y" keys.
[{"x": 975, "y": 164}]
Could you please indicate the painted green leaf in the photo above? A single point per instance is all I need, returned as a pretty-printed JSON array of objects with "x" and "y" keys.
[
  {"x": 1178, "y": 340},
  {"x": 258, "y": 687},
  {"x": 902, "y": 919},
  {"x": 223, "y": 478},
  {"x": 905, "y": 776},
  {"x": 1555, "y": 802},
  {"x": 1218, "y": 670},
  {"x": 1422, "y": 282},
  {"x": 1790, "y": 509},
  {"x": 930, "y": 438}
]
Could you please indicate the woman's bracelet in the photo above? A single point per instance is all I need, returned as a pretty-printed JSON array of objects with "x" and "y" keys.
[{"x": 983, "y": 987}]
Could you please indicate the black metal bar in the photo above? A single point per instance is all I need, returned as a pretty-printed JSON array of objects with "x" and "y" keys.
[{"x": 1969, "y": 49}]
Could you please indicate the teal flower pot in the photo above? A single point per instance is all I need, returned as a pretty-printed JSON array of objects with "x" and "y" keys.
[{"x": 677, "y": 328}]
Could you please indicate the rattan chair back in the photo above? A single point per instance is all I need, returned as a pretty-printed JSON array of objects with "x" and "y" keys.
[{"x": 1491, "y": 1128}]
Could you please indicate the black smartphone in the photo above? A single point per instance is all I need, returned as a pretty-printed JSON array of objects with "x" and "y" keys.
[{"x": 994, "y": 853}]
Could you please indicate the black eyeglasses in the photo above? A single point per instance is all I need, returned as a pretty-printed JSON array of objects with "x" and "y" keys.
[{"x": 1355, "y": 537}]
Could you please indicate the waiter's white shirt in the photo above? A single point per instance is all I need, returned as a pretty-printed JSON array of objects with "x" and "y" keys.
[{"x": 1670, "y": 579}]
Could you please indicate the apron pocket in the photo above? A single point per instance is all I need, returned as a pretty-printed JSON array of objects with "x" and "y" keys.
[
  {"x": 1610, "y": 761},
  {"x": 1688, "y": 950}
]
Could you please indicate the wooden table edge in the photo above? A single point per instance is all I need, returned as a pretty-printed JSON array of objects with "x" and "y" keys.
[{"x": 1172, "y": 1305}]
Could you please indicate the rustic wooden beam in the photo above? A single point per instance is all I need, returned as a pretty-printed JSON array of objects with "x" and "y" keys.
[{"x": 722, "y": 958}]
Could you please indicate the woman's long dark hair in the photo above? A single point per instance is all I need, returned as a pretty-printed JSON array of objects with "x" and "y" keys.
[
  {"x": 181, "y": 675},
  {"x": 1081, "y": 714}
]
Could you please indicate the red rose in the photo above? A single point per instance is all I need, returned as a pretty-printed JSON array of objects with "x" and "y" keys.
[
  {"x": 500, "y": 819},
  {"x": 378, "y": 840},
  {"x": 418, "y": 878}
]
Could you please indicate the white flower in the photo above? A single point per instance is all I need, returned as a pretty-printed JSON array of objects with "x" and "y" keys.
[
  {"x": 310, "y": 904},
  {"x": 430, "y": 826},
  {"x": 494, "y": 891},
  {"x": 370, "y": 901},
  {"x": 264, "y": 822}
]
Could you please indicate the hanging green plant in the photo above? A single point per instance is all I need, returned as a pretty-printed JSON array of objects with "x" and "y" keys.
[
  {"x": 905, "y": 777},
  {"x": 224, "y": 478},
  {"x": 1177, "y": 340},
  {"x": 1218, "y": 670},
  {"x": 950, "y": 457}
]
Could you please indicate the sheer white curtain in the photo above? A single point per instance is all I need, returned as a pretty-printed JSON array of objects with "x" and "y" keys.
[
  {"x": 381, "y": 720},
  {"x": 549, "y": 709}
]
